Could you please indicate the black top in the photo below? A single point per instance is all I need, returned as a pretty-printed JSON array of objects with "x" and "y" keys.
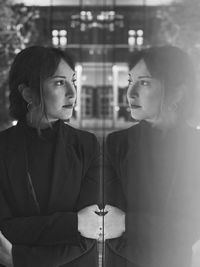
[
  {"x": 41, "y": 149},
  {"x": 154, "y": 176},
  {"x": 47, "y": 236}
]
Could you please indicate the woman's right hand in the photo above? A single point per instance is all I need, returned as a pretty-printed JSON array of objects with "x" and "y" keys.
[
  {"x": 114, "y": 222},
  {"x": 5, "y": 251},
  {"x": 89, "y": 223},
  {"x": 196, "y": 254}
]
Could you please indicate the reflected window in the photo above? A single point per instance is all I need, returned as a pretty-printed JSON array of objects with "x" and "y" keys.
[
  {"x": 59, "y": 38},
  {"x": 135, "y": 38}
]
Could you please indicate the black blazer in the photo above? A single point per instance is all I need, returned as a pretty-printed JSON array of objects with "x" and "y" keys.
[
  {"x": 51, "y": 239},
  {"x": 155, "y": 178}
]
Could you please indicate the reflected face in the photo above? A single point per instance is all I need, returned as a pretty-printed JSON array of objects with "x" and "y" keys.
[
  {"x": 60, "y": 93},
  {"x": 144, "y": 93}
]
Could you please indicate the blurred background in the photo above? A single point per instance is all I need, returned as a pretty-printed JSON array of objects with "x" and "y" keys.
[{"x": 101, "y": 34}]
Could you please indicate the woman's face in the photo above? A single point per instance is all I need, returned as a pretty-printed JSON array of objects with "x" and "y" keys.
[
  {"x": 60, "y": 93},
  {"x": 144, "y": 93}
]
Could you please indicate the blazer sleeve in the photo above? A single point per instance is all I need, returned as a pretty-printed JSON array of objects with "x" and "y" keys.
[
  {"x": 53, "y": 256},
  {"x": 113, "y": 192},
  {"x": 165, "y": 239},
  {"x": 57, "y": 228},
  {"x": 90, "y": 193},
  {"x": 152, "y": 239}
]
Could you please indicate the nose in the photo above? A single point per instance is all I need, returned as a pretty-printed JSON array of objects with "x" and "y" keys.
[
  {"x": 133, "y": 91},
  {"x": 70, "y": 91}
]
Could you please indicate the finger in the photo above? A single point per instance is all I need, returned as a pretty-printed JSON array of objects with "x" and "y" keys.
[
  {"x": 101, "y": 213},
  {"x": 1, "y": 238},
  {"x": 106, "y": 236},
  {"x": 4, "y": 241},
  {"x": 100, "y": 221},
  {"x": 92, "y": 207},
  {"x": 97, "y": 208},
  {"x": 108, "y": 207}
]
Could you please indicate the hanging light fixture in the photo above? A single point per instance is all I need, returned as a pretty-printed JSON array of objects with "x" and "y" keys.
[{"x": 86, "y": 19}]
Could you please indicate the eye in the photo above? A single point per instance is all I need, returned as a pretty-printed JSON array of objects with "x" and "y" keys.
[
  {"x": 130, "y": 81},
  {"x": 145, "y": 83},
  {"x": 74, "y": 82},
  {"x": 60, "y": 82}
]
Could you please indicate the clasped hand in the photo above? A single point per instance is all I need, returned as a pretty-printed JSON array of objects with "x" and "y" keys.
[
  {"x": 101, "y": 224},
  {"x": 5, "y": 252},
  {"x": 92, "y": 223}
]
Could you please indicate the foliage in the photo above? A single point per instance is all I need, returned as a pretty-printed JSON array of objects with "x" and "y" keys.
[
  {"x": 179, "y": 25},
  {"x": 17, "y": 30}
]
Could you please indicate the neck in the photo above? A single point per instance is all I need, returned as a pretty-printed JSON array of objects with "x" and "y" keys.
[
  {"x": 39, "y": 121},
  {"x": 165, "y": 121}
]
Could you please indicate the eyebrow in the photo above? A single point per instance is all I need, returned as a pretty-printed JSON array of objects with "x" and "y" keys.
[
  {"x": 58, "y": 76},
  {"x": 61, "y": 76},
  {"x": 145, "y": 76},
  {"x": 141, "y": 77}
]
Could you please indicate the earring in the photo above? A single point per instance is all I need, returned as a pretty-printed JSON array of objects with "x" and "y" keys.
[
  {"x": 29, "y": 106},
  {"x": 30, "y": 111},
  {"x": 175, "y": 106}
]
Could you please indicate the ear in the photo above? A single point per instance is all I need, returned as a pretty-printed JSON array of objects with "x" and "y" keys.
[
  {"x": 180, "y": 93},
  {"x": 176, "y": 97},
  {"x": 25, "y": 91}
]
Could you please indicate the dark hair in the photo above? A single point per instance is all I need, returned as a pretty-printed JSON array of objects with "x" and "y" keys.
[
  {"x": 30, "y": 68},
  {"x": 174, "y": 68}
]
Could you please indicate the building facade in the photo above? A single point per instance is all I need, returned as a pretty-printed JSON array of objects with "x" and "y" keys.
[{"x": 102, "y": 39}]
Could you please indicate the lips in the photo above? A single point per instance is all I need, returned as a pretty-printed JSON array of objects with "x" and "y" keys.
[
  {"x": 68, "y": 106},
  {"x": 133, "y": 106}
]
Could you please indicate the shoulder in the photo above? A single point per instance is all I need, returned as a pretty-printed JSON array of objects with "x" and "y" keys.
[
  {"x": 121, "y": 134},
  {"x": 79, "y": 133},
  {"x": 122, "y": 137},
  {"x": 81, "y": 138},
  {"x": 5, "y": 133},
  {"x": 6, "y": 137}
]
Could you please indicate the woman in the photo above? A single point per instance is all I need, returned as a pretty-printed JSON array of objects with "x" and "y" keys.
[
  {"x": 47, "y": 168},
  {"x": 153, "y": 167}
]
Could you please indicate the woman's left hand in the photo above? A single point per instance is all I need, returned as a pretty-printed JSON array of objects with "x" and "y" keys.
[
  {"x": 5, "y": 251},
  {"x": 89, "y": 222}
]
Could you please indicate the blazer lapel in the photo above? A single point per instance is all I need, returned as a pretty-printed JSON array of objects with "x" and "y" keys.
[
  {"x": 17, "y": 172},
  {"x": 64, "y": 180}
]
